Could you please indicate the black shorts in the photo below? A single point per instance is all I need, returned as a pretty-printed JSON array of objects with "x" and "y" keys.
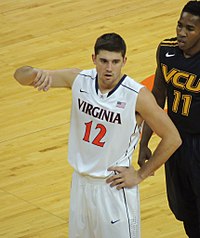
[{"x": 183, "y": 179}]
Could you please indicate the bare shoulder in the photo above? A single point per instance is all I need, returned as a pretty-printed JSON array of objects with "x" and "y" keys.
[
  {"x": 146, "y": 104},
  {"x": 152, "y": 113},
  {"x": 145, "y": 98}
]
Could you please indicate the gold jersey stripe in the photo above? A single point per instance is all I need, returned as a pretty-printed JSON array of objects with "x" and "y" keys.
[{"x": 170, "y": 42}]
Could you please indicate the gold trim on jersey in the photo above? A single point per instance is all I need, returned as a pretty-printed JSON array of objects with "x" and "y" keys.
[{"x": 169, "y": 42}]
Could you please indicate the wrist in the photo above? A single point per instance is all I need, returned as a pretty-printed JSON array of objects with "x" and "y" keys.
[{"x": 141, "y": 176}]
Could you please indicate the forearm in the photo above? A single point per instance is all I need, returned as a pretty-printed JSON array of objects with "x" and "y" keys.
[
  {"x": 129, "y": 177},
  {"x": 25, "y": 75},
  {"x": 44, "y": 79},
  {"x": 162, "y": 153}
]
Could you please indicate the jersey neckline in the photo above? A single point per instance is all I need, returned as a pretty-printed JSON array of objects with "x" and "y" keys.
[{"x": 113, "y": 90}]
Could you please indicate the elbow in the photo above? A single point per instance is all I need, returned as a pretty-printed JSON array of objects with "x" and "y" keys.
[
  {"x": 18, "y": 76},
  {"x": 177, "y": 141},
  {"x": 24, "y": 75},
  {"x": 180, "y": 141}
]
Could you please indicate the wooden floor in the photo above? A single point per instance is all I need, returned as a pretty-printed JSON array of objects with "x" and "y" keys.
[{"x": 34, "y": 172}]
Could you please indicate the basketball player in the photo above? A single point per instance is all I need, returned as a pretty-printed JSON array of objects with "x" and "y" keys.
[
  {"x": 108, "y": 108},
  {"x": 178, "y": 79}
]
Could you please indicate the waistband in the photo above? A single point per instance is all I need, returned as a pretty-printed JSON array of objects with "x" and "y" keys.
[{"x": 90, "y": 179}]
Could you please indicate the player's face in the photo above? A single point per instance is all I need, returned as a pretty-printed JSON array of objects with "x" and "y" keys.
[
  {"x": 108, "y": 65},
  {"x": 188, "y": 33}
]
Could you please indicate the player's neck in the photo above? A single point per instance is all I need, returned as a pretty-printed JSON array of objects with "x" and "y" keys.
[
  {"x": 105, "y": 86},
  {"x": 191, "y": 52}
]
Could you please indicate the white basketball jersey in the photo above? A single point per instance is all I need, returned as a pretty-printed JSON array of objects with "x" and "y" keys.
[{"x": 103, "y": 130}]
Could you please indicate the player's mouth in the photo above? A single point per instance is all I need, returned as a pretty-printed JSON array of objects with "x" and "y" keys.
[
  {"x": 181, "y": 42},
  {"x": 108, "y": 75}
]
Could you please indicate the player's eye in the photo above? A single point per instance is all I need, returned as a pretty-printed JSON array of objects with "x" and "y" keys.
[
  {"x": 190, "y": 28},
  {"x": 116, "y": 61},
  {"x": 103, "y": 61},
  {"x": 179, "y": 25}
]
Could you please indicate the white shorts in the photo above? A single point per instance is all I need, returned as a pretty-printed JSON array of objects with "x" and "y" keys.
[{"x": 99, "y": 211}]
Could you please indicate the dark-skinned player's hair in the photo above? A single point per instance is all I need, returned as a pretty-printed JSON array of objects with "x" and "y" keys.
[
  {"x": 110, "y": 42},
  {"x": 192, "y": 7}
]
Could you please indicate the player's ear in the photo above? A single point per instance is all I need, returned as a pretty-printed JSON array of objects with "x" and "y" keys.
[
  {"x": 124, "y": 60},
  {"x": 94, "y": 58}
]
